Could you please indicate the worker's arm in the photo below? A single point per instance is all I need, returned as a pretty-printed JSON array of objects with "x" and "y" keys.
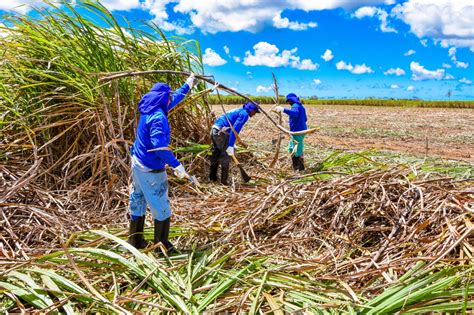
[
  {"x": 293, "y": 111},
  {"x": 238, "y": 124},
  {"x": 158, "y": 136},
  {"x": 178, "y": 96}
]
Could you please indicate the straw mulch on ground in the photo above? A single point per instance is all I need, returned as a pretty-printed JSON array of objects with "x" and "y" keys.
[
  {"x": 353, "y": 226},
  {"x": 65, "y": 164},
  {"x": 350, "y": 226}
]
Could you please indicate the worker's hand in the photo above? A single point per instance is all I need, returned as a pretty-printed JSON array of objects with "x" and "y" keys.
[
  {"x": 230, "y": 151},
  {"x": 279, "y": 109},
  {"x": 179, "y": 171},
  {"x": 190, "y": 81}
]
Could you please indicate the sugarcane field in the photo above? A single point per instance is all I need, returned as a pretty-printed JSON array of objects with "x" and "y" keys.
[{"x": 236, "y": 157}]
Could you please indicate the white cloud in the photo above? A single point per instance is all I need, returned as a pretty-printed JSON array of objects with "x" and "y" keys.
[
  {"x": 266, "y": 54},
  {"x": 357, "y": 69},
  {"x": 361, "y": 69},
  {"x": 317, "y": 81},
  {"x": 280, "y": 22},
  {"x": 305, "y": 64},
  {"x": 327, "y": 56},
  {"x": 394, "y": 86},
  {"x": 410, "y": 88},
  {"x": 448, "y": 77},
  {"x": 424, "y": 42},
  {"x": 365, "y": 12},
  {"x": 457, "y": 63},
  {"x": 20, "y": 6},
  {"x": 396, "y": 71},
  {"x": 342, "y": 65},
  {"x": 211, "y": 58},
  {"x": 227, "y": 50},
  {"x": 120, "y": 5},
  {"x": 381, "y": 14},
  {"x": 445, "y": 65},
  {"x": 236, "y": 59},
  {"x": 420, "y": 73},
  {"x": 460, "y": 64},
  {"x": 264, "y": 89},
  {"x": 409, "y": 53},
  {"x": 445, "y": 43},
  {"x": 249, "y": 75},
  {"x": 452, "y": 52},
  {"x": 447, "y": 21},
  {"x": 214, "y": 16},
  {"x": 156, "y": 8},
  {"x": 465, "y": 81}
]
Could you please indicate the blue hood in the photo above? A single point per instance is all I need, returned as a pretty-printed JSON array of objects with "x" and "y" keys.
[
  {"x": 293, "y": 98},
  {"x": 157, "y": 98},
  {"x": 249, "y": 106}
]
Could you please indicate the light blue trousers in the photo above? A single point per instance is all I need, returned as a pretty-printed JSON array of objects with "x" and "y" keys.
[{"x": 152, "y": 189}]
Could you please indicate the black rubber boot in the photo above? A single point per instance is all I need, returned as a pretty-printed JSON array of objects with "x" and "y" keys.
[
  {"x": 213, "y": 172},
  {"x": 158, "y": 231},
  {"x": 295, "y": 162},
  {"x": 162, "y": 230},
  {"x": 165, "y": 235},
  {"x": 135, "y": 234},
  {"x": 224, "y": 174},
  {"x": 300, "y": 163}
]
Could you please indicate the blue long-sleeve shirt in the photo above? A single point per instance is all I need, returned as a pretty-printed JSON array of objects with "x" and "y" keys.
[
  {"x": 153, "y": 128},
  {"x": 237, "y": 117},
  {"x": 297, "y": 115}
]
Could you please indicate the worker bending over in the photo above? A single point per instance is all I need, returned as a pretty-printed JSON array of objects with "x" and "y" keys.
[
  {"x": 297, "y": 118},
  {"x": 223, "y": 138}
]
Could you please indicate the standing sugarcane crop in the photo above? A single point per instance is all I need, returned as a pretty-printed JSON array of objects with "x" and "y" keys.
[
  {"x": 149, "y": 179},
  {"x": 223, "y": 136},
  {"x": 297, "y": 115}
]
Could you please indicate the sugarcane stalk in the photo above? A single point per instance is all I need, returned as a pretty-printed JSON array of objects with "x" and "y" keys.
[
  {"x": 280, "y": 120},
  {"x": 117, "y": 75},
  {"x": 236, "y": 134}
]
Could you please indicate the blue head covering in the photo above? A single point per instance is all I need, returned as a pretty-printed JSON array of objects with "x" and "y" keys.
[
  {"x": 249, "y": 106},
  {"x": 157, "y": 98},
  {"x": 293, "y": 98}
]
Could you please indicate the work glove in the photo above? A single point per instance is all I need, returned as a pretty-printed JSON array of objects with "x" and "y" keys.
[
  {"x": 179, "y": 171},
  {"x": 230, "y": 151},
  {"x": 190, "y": 81},
  {"x": 279, "y": 109}
]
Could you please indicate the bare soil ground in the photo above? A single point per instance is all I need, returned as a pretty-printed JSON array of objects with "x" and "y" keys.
[{"x": 434, "y": 132}]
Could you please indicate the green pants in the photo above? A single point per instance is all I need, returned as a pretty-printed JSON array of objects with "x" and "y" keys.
[{"x": 296, "y": 145}]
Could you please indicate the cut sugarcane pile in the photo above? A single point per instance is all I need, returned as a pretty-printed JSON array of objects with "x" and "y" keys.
[{"x": 353, "y": 225}]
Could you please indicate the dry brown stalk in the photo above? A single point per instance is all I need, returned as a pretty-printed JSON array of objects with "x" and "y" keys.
[
  {"x": 375, "y": 220},
  {"x": 106, "y": 77},
  {"x": 280, "y": 120}
]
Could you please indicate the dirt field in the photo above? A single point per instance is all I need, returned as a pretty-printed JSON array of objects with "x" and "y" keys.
[{"x": 446, "y": 133}]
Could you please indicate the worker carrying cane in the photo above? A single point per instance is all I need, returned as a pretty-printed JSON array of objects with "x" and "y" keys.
[
  {"x": 223, "y": 138},
  {"x": 149, "y": 179},
  {"x": 297, "y": 118}
]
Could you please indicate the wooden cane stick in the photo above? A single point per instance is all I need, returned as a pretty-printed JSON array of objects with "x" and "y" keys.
[{"x": 118, "y": 75}]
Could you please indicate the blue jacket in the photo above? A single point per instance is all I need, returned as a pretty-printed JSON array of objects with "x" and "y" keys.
[
  {"x": 237, "y": 117},
  {"x": 297, "y": 113},
  {"x": 153, "y": 128}
]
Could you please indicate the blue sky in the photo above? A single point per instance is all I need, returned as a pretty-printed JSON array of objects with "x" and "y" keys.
[{"x": 332, "y": 48}]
